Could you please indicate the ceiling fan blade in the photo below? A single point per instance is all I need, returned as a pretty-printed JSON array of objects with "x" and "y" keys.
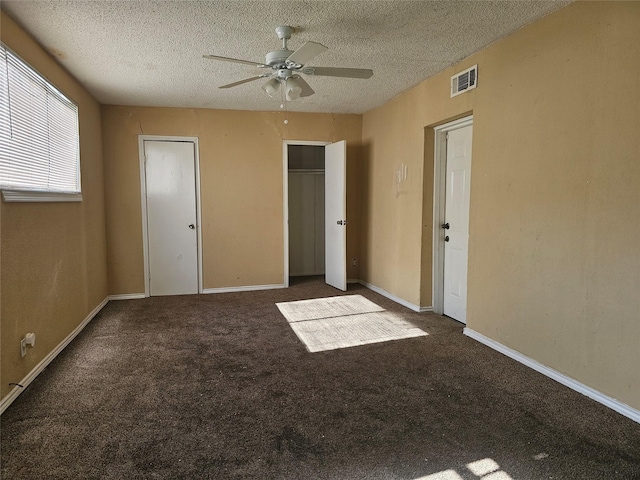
[
  {"x": 235, "y": 60},
  {"x": 306, "y": 52},
  {"x": 246, "y": 80},
  {"x": 338, "y": 72},
  {"x": 307, "y": 91}
]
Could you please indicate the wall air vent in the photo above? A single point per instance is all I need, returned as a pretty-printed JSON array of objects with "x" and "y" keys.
[{"x": 465, "y": 80}]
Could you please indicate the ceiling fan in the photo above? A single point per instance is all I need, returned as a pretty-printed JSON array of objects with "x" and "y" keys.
[{"x": 285, "y": 66}]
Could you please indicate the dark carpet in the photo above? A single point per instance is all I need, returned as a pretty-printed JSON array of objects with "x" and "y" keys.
[{"x": 219, "y": 386}]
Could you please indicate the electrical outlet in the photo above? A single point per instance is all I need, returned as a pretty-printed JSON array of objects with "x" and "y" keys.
[
  {"x": 354, "y": 262},
  {"x": 29, "y": 339}
]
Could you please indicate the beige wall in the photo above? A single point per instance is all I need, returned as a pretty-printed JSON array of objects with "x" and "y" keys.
[
  {"x": 554, "y": 257},
  {"x": 391, "y": 221},
  {"x": 53, "y": 255},
  {"x": 241, "y": 168}
]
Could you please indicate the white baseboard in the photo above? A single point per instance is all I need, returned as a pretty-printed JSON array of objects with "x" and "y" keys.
[
  {"x": 13, "y": 394},
  {"x": 127, "y": 296},
  {"x": 605, "y": 400},
  {"x": 247, "y": 288},
  {"x": 399, "y": 300}
]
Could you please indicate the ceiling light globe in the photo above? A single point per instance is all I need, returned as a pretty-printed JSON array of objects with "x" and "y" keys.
[
  {"x": 293, "y": 88},
  {"x": 271, "y": 87}
]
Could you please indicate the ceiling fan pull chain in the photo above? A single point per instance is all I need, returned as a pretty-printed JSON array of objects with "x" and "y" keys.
[{"x": 283, "y": 105}]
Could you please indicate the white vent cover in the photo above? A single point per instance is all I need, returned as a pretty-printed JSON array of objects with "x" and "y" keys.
[{"x": 465, "y": 80}]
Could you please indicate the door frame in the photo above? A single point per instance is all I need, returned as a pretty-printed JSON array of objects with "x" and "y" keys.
[
  {"x": 439, "y": 201},
  {"x": 285, "y": 196},
  {"x": 143, "y": 201}
]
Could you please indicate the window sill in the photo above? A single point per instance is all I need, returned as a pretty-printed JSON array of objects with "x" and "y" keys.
[{"x": 25, "y": 196}]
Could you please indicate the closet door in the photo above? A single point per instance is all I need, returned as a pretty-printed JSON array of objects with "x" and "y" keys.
[
  {"x": 335, "y": 173},
  {"x": 171, "y": 217}
]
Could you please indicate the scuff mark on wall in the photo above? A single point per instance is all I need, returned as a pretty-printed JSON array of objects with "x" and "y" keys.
[{"x": 138, "y": 122}]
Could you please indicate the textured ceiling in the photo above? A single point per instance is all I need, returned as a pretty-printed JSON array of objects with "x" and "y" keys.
[{"x": 150, "y": 53}]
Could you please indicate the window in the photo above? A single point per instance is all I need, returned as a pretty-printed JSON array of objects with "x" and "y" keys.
[{"x": 39, "y": 140}]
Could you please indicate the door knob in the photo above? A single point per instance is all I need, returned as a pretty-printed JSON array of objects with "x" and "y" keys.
[
  {"x": 192, "y": 226},
  {"x": 446, "y": 239},
  {"x": 445, "y": 226},
  {"x": 342, "y": 222}
]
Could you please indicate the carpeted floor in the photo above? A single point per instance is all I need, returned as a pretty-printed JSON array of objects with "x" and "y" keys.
[{"x": 220, "y": 387}]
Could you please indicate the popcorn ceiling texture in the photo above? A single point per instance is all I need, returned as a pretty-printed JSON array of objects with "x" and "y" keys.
[{"x": 150, "y": 53}]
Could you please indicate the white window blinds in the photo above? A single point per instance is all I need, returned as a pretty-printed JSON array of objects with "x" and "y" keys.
[{"x": 39, "y": 140}]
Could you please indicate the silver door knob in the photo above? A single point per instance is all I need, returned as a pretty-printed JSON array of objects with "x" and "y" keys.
[{"x": 192, "y": 226}]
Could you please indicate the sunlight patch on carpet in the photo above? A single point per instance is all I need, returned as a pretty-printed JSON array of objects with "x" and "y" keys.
[
  {"x": 329, "y": 307},
  {"x": 345, "y": 321}
]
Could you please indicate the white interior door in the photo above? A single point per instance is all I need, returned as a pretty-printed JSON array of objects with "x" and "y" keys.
[
  {"x": 171, "y": 217},
  {"x": 335, "y": 214},
  {"x": 456, "y": 226}
]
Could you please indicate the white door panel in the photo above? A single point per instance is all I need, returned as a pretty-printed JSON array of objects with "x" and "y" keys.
[
  {"x": 335, "y": 160},
  {"x": 171, "y": 217},
  {"x": 456, "y": 248}
]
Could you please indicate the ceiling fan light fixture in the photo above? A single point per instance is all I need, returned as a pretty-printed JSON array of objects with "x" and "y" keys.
[
  {"x": 293, "y": 88},
  {"x": 271, "y": 87}
]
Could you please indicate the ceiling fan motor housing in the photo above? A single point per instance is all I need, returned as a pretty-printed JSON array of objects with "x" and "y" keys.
[{"x": 277, "y": 58}]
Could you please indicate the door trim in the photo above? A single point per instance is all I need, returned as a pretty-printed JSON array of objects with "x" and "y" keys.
[
  {"x": 285, "y": 197},
  {"x": 143, "y": 201},
  {"x": 439, "y": 192}
]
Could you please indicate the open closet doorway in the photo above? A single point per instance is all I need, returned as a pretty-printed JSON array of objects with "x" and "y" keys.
[
  {"x": 306, "y": 210},
  {"x": 315, "y": 211}
]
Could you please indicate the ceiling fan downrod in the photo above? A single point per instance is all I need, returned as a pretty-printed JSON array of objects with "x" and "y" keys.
[{"x": 284, "y": 33}]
